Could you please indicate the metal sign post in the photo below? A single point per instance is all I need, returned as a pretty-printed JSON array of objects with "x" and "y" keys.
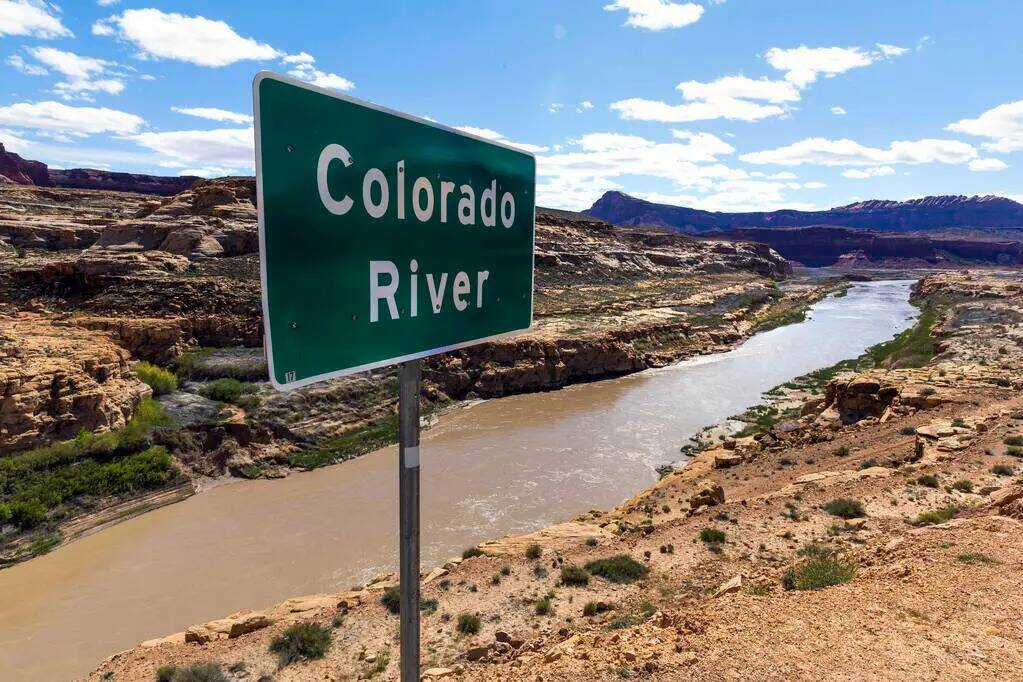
[{"x": 408, "y": 494}]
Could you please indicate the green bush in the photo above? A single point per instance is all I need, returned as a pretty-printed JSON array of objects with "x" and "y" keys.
[
  {"x": 618, "y": 569},
  {"x": 392, "y": 600},
  {"x": 712, "y": 536},
  {"x": 196, "y": 672},
  {"x": 819, "y": 572},
  {"x": 842, "y": 451},
  {"x": 472, "y": 552},
  {"x": 937, "y": 516},
  {"x": 845, "y": 508},
  {"x": 929, "y": 481},
  {"x": 976, "y": 558},
  {"x": 302, "y": 641},
  {"x": 1002, "y": 470},
  {"x": 963, "y": 486},
  {"x": 533, "y": 551},
  {"x": 468, "y": 623},
  {"x": 574, "y": 576},
  {"x": 506, "y": 570},
  {"x": 350, "y": 444},
  {"x": 157, "y": 378},
  {"x": 543, "y": 606},
  {"x": 230, "y": 391},
  {"x": 590, "y": 609},
  {"x": 1014, "y": 440}
]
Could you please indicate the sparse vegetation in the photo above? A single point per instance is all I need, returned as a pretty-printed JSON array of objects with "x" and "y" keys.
[
  {"x": 976, "y": 558},
  {"x": 468, "y": 623},
  {"x": 391, "y": 599},
  {"x": 929, "y": 481},
  {"x": 349, "y": 445},
  {"x": 908, "y": 431},
  {"x": 302, "y": 641},
  {"x": 963, "y": 485},
  {"x": 1002, "y": 470},
  {"x": 543, "y": 606},
  {"x": 618, "y": 569},
  {"x": 820, "y": 571},
  {"x": 574, "y": 576},
  {"x": 159, "y": 379},
  {"x": 231, "y": 391},
  {"x": 195, "y": 672},
  {"x": 937, "y": 516},
  {"x": 845, "y": 508},
  {"x": 472, "y": 552},
  {"x": 712, "y": 536},
  {"x": 533, "y": 551}
]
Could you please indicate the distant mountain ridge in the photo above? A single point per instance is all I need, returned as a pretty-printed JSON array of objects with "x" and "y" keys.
[
  {"x": 928, "y": 213},
  {"x": 20, "y": 171}
]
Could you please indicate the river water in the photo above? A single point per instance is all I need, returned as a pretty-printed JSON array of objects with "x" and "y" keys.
[{"x": 503, "y": 466}]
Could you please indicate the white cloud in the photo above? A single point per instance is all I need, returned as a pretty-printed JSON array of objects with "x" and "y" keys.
[
  {"x": 490, "y": 134},
  {"x": 839, "y": 111},
  {"x": 1003, "y": 125},
  {"x": 596, "y": 162},
  {"x": 814, "y": 185},
  {"x": 69, "y": 120},
  {"x": 825, "y": 152},
  {"x": 657, "y": 15},
  {"x": 585, "y": 105},
  {"x": 19, "y": 63},
  {"x": 305, "y": 70},
  {"x": 107, "y": 3},
  {"x": 555, "y": 107},
  {"x": 865, "y": 173},
  {"x": 227, "y": 149},
  {"x": 34, "y": 18},
  {"x": 214, "y": 114},
  {"x": 736, "y": 98},
  {"x": 81, "y": 74},
  {"x": 193, "y": 39},
  {"x": 987, "y": 165},
  {"x": 891, "y": 50},
  {"x": 802, "y": 65}
]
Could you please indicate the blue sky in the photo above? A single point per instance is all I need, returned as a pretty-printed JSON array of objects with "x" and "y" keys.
[{"x": 719, "y": 104}]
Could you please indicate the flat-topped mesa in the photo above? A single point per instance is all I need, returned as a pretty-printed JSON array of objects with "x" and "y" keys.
[{"x": 927, "y": 213}]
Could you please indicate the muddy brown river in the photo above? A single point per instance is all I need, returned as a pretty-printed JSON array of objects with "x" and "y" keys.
[{"x": 502, "y": 466}]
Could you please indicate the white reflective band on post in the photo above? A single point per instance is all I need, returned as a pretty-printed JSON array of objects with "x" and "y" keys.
[{"x": 411, "y": 457}]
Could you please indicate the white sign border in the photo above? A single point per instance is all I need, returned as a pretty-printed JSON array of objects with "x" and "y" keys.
[{"x": 267, "y": 340}]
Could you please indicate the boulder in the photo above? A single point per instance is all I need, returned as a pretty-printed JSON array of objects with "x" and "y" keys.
[
  {"x": 709, "y": 495},
  {"x": 730, "y": 587}
]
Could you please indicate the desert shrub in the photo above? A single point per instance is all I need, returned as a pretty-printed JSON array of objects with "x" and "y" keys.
[
  {"x": 908, "y": 431},
  {"x": 936, "y": 516},
  {"x": 1002, "y": 470},
  {"x": 574, "y": 576},
  {"x": 543, "y": 606},
  {"x": 231, "y": 391},
  {"x": 533, "y": 551},
  {"x": 302, "y": 641},
  {"x": 712, "y": 536},
  {"x": 927, "y": 390},
  {"x": 157, "y": 378},
  {"x": 506, "y": 570},
  {"x": 195, "y": 672},
  {"x": 391, "y": 599},
  {"x": 350, "y": 444},
  {"x": 428, "y": 605},
  {"x": 539, "y": 572},
  {"x": 1014, "y": 440},
  {"x": 591, "y": 542},
  {"x": 468, "y": 623},
  {"x": 842, "y": 451},
  {"x": 963, "y": 485},
  {"x": 819, "y": 572},
  {"x": 472, "y": 552},
  {"x": 845, "y": 508},
  {"x": 617, "y": 569},
  {"x": 976, "y": 558},
  {"x": 868, "y": 463},
  {"x": 929, "y": 481}
]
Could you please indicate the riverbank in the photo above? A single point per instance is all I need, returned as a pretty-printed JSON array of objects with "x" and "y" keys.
[{"x": 891, "y": 504}]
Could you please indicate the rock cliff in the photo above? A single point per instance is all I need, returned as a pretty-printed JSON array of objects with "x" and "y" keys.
[{"x": 929, "y": 213}]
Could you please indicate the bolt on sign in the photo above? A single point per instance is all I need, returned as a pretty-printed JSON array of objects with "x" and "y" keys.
[{"x": 383, "y": 237}]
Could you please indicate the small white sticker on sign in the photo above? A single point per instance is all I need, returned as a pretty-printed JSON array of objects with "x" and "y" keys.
[{"x": 411, "y": 457}]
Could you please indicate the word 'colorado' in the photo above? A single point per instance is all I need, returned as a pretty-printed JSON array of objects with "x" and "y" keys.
[
  {"x": 424, "y": 199},
  {"x": 424, "y": 203}
]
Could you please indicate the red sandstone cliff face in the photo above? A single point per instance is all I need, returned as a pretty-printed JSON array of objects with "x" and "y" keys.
[{"x": 21, "y": 171}]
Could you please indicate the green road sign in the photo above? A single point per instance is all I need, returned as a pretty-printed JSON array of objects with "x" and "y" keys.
[{"x": 383, "y": 237}]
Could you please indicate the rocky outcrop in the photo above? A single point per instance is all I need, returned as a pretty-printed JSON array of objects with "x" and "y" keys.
[
  {"x": 91, "y": 178},
  {"x": 19, "y": 171},
  {"x": 57, "y": 380},
  {"x": 929, "y": 213}
]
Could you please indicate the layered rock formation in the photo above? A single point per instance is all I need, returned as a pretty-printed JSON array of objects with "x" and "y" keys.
[
  {"x": 14, "y": 169},
  {"x": 928, "y": 213},
  {"x": 57, "y": 380}
]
